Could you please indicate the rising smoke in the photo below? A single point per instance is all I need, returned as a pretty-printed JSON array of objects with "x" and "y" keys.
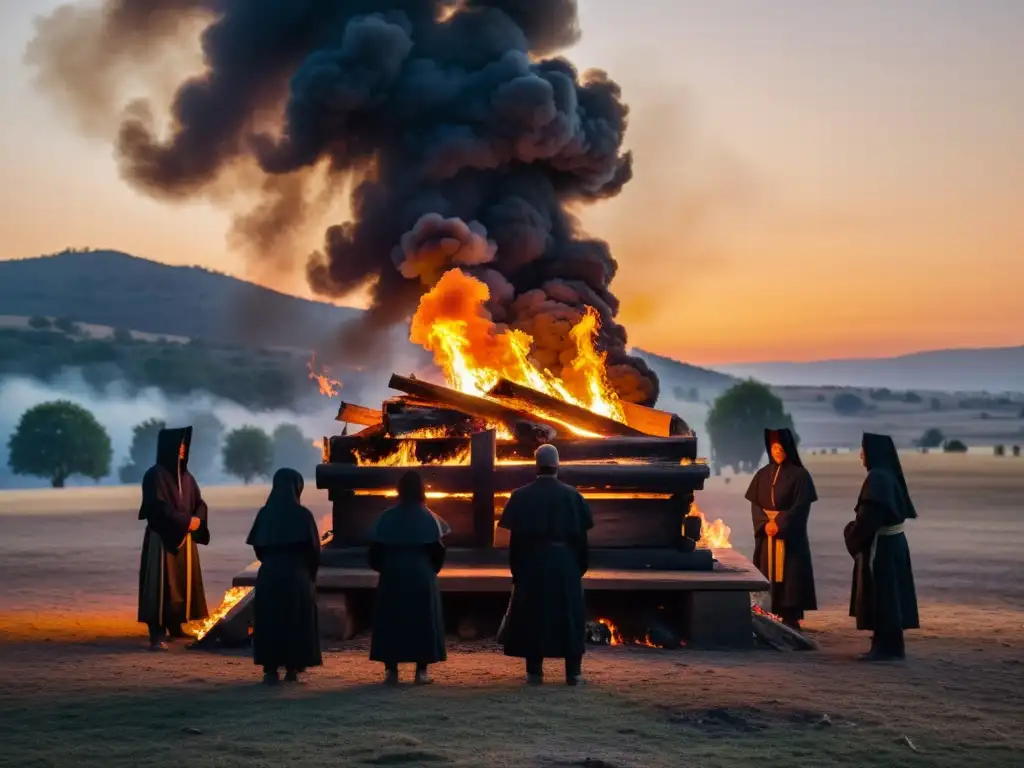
[{"x": 458, "y": 142}]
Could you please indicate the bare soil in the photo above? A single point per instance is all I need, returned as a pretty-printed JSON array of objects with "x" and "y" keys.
[{"x": 77, "y": 687}]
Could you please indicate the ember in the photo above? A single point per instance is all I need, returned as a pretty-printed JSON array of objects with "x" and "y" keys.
[
  {"x": 328, "y": 387},
  {"x": 231, "y": 598}
]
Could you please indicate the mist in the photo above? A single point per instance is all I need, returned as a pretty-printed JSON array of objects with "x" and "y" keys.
[{"x": 119, "y": 410}]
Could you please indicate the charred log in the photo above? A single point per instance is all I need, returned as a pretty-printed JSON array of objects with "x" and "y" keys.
[
  {"x": 474, "y": 406},
  {"x": 524, "y": 398},
  {"x": 778, "y": 636},
  {"x": 403, "y": 417},
  {"x": 376, "y": 448},
  {"x": 665, "y": 449}
]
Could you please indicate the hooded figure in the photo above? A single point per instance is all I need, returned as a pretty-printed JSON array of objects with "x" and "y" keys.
[
  {"x": 287, "y": 544},
  {"x": 780, "y": 496},
  {"x": 547, "y": 522},
  {"x": 883, "y": 598},
  {"x": 170, "y": 579},
  {"x": 407, "y": 551}
]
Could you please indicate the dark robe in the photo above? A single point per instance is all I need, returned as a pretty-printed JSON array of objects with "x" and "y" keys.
[
  {"x": 170, "y": 579},
  {"x": 883, "y": 597},
  {"x": 287, "y": 544},
  {"x": 547, "y": 522},
  {"x": 789, "y": 490},
  {"x": 408, "y": 620}
]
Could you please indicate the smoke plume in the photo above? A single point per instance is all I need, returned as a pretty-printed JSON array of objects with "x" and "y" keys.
[{"x": 463, "y": 145}]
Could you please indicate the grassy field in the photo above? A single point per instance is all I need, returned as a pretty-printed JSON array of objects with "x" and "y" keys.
[{"x": 78, "y": 688}]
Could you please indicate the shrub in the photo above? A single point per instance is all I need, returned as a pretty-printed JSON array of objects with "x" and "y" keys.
[
  {"x": 932, "y": 438},
  {"x": 955, "y": 446},
  {"x": 40, "y": 323},
  {"x": 847, "y": 404}
]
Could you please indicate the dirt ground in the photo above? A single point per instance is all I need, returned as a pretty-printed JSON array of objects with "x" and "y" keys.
[{"x": 77, "y": 687}]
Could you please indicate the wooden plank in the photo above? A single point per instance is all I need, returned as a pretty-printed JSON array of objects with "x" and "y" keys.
[
  {"x": 482, "y": 458},
  {"x": 375, "y": 448},
  {"x": 348, "y": 413},
  {"x": 354, "y": 517},
  {"x": 624, "y": 478},
  {"x": 526, "y": 399},
  {"x": 401, "y": 416},
  {"x": 474, "y": 406},
  {"x": 669, "y": 449},
  {"x": 651, "y": 421},
  {"x": 497, "y": 579}
]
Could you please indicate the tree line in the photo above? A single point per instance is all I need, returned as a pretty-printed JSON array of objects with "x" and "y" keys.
[{"x": 59, "y": 439}]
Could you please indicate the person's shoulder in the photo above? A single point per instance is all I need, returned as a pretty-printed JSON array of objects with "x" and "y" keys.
[{"x": 152, "y": 473}]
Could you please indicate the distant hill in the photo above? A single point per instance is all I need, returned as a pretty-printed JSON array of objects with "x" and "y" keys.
[
  {"x": 673, "y": 373},
  {"x": 115, "y": 289},
  {"x": 995, "y": 369}
]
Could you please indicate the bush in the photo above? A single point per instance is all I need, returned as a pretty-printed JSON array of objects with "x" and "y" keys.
[
  {"x": 955, "y": 446},
  {"x": 1000, "y": 450},
  {"x": 912, "y": 397},
  {"x": 880, "y": 394},
  {"x": 59, "y": 439},
  {"x": 40, "y": 323},
  {"x": 123, "y": 336},
  {"x": 932, "y": 438},
  {"x": 847, "y": 404}
]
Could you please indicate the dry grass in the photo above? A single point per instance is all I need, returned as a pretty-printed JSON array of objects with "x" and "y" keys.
[{"x": 79, "y": 690}]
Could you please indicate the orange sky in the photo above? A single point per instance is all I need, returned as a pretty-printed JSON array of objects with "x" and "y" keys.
[{"x": 811, "y": 181}]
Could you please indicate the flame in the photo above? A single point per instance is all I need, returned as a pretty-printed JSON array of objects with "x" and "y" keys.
[
  {"x": 405, "y": 456},
  {"x": 712, "y": 535},
  {"x": 616, "y": 638},
  {"x": 474, "y": 353},
  {"x": 328, "y": 387},
  {"x": 230, "y": 600},
  {"x": 762, "y": 612}
]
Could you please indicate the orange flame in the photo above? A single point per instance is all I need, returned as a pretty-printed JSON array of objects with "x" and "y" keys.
[
  {"x": 712, "y": 535},
  {"x": 474, "y": 353},
  {"x": 616, "y": 638},
  {"x": 328, "y": 387},
  {"x": 405, "y": 456},
  {"x": 231, "y": 598}
]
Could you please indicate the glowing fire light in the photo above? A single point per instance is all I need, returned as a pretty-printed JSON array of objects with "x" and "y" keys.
[
  {"x": 231, "y": 598},
  {"x": 474, "y": 353},
  {"x": 613, "y": 631},
  {"x": 762, "y": 612},
  {"x": 616, "y": 637},
  {"x": 405, "y": 456},
  {"x": 328, "y": 387},
  {"x": 712, "y": 535}
]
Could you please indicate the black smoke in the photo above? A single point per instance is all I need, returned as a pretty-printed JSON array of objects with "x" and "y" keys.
[{"x": 455, "y": 130}]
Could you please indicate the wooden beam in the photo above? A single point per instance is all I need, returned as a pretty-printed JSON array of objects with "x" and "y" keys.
[
  {"x": 653, "y": 422},
  {"x": 474, "y": 406},
  {"x": 624, "y": 478},
  {"x": 402, "y": 418},
  {"x": 482, "y": 458},
  {"x": 375, "y": 448},
  {"x": 670, "y": 449},
  {"x": 527, "y": 399},
  {"x": 357, "y": 414}
]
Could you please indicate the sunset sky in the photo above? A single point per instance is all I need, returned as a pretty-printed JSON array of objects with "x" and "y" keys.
[{"x": 813, "y": 179}]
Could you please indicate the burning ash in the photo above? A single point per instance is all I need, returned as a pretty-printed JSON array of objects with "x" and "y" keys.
[
  {"x": 328, "y": 387},
  {"x": 604, "y": 632},
  {"x": 405, "y": 456},
  {"x": 231, "y": 598},
  {"x": 712, "y": 535},
  {"x": 459, "y": 140}
]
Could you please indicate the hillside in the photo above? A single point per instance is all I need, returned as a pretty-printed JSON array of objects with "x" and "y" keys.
[
  {"x": 110, "y": 288},
  {"x": 674, "y": 374},
  {"x": 996, "y": 369}
]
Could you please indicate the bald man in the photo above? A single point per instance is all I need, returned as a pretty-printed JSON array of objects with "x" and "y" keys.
[{"x": 547, "y": 522}]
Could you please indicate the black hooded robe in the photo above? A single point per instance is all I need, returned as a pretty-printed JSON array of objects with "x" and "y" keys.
[
  {"x": 547, "y": 522},
  {"x": 287, "y": 543},
  {"x": 170, "y": 578},
  {"x": 408, "y": 617},
  {"x": 790, "y": 491},
  {"x": 883, "y": 597}
]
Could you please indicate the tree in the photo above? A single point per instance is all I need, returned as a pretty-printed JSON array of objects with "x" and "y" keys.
[
  {"x": 932, "y": 438},
  {"x": 38, "y": 323},
  {"x": 847, "y": 404},
  {"x": 67, "y": 325},
  {"x": 955, "y": 446},
  {"x": 123, "y": 336},
  {"x": 936, "y": 404},
  {"x": 737, "y": 421},
  {"x": 59, "y": 439},
  {"x": 248, "y": 453},
  {"x": 142, "y": 454},
  {"x": 912, "y": 397},
  {"x": 294, "y": 449}
]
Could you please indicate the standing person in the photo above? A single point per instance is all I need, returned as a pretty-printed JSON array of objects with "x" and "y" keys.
[
  {"x": 170, "y": 579},
  {"x": 287, "y": 544},
  {"x": 547, "y": 522},
  {"x": 883, "y": 598},
  {"x": 780, "y": 496},
  {"x": 406, "y": 549}
]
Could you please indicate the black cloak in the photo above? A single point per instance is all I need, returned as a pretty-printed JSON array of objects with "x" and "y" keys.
[
  {"x": 883, "y": 597},
  {"x": 789, "y": 490},
  {"x": 408, "y": 619},
  {"x": 547, "y": 522},
  {"x": 170, "y": 578},
  {"x": 287, "y": 543}
]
